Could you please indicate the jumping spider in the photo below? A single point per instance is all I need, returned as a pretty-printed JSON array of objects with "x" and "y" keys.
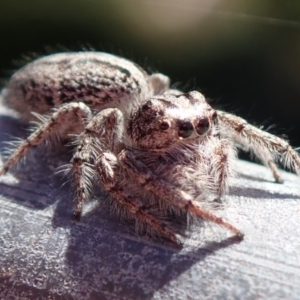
[{"x": 152, "y": 148}]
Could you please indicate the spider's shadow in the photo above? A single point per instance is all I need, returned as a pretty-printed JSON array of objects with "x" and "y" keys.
[
  {"x": 259, "y": 193},
  {"x": 133, "y": 268}
]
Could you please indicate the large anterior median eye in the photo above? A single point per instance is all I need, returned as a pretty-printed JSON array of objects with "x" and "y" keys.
[
  {"x": 202, "y": 126},
  {"x": 185, "y": 128}
]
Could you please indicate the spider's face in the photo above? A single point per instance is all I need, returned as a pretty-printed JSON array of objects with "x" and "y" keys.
[{"x": 162, "y": 121}]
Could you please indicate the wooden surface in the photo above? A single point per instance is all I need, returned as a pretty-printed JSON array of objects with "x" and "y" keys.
[{"x": 43, "y": 253}]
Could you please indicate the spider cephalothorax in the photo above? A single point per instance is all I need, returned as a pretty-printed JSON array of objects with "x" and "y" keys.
[{"x": 151, "y": 148}]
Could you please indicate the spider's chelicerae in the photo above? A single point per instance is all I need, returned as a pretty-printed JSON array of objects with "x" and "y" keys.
[{"x": 152, "y": 148}]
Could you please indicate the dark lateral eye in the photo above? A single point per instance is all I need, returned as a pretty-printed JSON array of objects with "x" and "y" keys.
[
  {"x": 202, "y": 126},
  {"x": 147, "y": 105},
  {"x": 215, "y": 118},
  {"x": 185, "y": 129},
  {"x": 164, "y": 125}
]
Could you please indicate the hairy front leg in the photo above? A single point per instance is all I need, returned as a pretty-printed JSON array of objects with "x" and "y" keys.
[
  {"x": 63, "y": 117},
  {"x": 107, "y": 165},
  {"x": 180, "y": 199},
  {"x": 101, "y": 133},
  {"x": 267, "y": 147}
]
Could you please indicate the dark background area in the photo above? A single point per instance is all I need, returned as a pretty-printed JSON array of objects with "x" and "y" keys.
[{"x": 242, "y": 54}]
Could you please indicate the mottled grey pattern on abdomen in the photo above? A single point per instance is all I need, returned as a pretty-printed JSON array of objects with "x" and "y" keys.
[{"x": 97, "y": 79}]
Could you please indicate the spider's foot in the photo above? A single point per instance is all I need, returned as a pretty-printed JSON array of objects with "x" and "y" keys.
[
  {"x": 178, "y": 242},
  {"x": 275, "y": 171},
  {"x": 239, "y": 236},
  {"x": 217, "y": 200},
  {"x": 3, "y": 171},
  {"x": 279, "y": 180},
  {"x": 76, "y": 216}
]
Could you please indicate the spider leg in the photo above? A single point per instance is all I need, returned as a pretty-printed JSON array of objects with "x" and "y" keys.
[
  {"x": 267, "y": 147},
  {"x": 62, "y": 118},
  {"x": 222, "y": 156},
  {"x": 106, "y": 165},
  {"x": 149, "y": 181},
  {"x": 99, "y": 135}
]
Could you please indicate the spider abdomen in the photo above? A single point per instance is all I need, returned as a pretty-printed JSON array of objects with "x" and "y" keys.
[{"x": 98, "y": 79}]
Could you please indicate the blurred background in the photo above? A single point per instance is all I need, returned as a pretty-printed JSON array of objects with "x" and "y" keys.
[{"x": 244, "y": 55}]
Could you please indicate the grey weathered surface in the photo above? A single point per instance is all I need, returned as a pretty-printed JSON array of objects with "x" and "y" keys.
[{"x": 43, "y": 253}]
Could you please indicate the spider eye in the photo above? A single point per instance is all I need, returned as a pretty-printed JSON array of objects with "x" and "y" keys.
[
  {"x": 147, "y": 105},
  {"x": 185, "y": 129},
  {"x": 164, "y": 125},
  {"x": 202, "y": 126},
  {"x": 215, "y": 118}
]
